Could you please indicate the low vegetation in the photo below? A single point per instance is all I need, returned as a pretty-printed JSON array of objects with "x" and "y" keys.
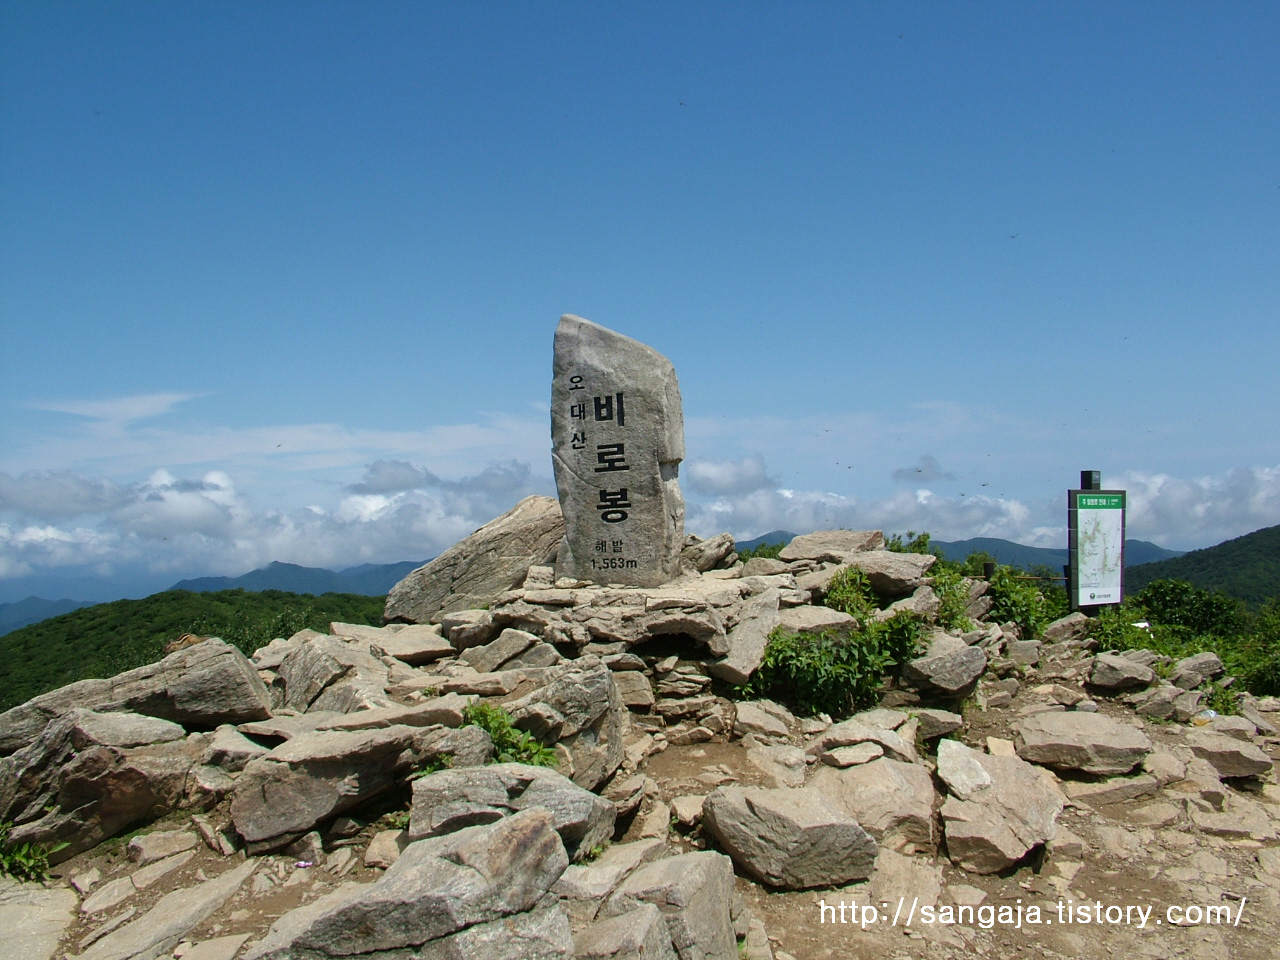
[
  {"x": 26, "y": 862},
  {"x": 109, "y": 638},
  {"x": 510, "y": 745}
]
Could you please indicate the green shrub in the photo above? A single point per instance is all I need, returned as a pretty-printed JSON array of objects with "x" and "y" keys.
[
  {"x": 1019, "y": 601},
  {"x": 770, "y": 550},
  {"x": 24, "y": 861},
  {"x": 949, "y": 585},
  {"x": 850, "y": 592},
  {"x": 1176, "y": 603},
  {"x": 913, "y": 543},
  {"x": 833, "y": 673},
  {"x": 510, "y": 745}
]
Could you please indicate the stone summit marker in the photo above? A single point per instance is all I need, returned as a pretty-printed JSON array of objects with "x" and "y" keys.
[{"x": 617, "y": 439}]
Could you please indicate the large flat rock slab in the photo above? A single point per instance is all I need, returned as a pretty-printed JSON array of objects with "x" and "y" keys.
[
  {"x": 475, "y": 570},
  {"x": 33, "y": 918},
  {"x": 617, "y": 439},
  {"x": 1088, "y": 742}
]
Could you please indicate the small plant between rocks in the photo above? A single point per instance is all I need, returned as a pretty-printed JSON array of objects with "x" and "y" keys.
[
  {"x": 25, "y": 862},
  {"x": 510, "y": 745}
]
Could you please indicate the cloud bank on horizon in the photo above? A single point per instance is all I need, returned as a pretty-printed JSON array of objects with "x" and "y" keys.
[{"x": 206, "y": 516}]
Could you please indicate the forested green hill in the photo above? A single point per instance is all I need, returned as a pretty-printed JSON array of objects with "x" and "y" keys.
[
  {"x": 109, "y": 638},
  {"x": 1247, "y": 567}
]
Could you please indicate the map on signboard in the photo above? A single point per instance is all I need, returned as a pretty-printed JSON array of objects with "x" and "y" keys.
[{"x": 1100, "y": 545}]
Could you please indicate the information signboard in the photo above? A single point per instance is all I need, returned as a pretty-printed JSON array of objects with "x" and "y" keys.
[{"x": 1095, "y": 525}]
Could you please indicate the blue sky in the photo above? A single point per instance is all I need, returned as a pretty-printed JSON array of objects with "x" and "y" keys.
[{"x": 278, "y": 281}]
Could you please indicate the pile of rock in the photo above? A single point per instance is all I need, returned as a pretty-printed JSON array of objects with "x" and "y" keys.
[{"x": 297, "y": 751}]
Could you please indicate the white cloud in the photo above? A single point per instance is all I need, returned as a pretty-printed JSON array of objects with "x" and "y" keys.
[
  {"x": 1198, "y": 512},
  {"x": 726, "y": 477},
  {"x": 119, "y": 410}
]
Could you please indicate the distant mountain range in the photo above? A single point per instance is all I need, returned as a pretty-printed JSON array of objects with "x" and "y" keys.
[
  {"x": 33, "y": 609},
  {"x": 368, "y": 579},
  {"x": 1006, "y": 551}
]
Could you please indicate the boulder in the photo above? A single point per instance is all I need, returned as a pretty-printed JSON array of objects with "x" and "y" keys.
[
  {"x": 451, "y": 799},
  {"x": 88, "y": 776},
  {"x": 474, "y": 571},
  {"x": 1000, "y": 808},
  {"x": 577, "y": 706},
  {"x": 831, "y": 546},
  {"x": 1088, "y": 742},
  {"x": 893, "y": 574},
  {"x": 950, "y": 668},
  {"x": 412, "y": 643},
  {"x": 693, "y": 891},
  {"x": 330, "y": 674},
  {"x": 703, "y": 555},
  {"x": 490, "y": 656},
  {"x": 1229, "y": 756},
  {"x": 314, "y": 776},
  {"x": 203, "y": 685},
  {"x": 791, "y": 839},
  {"x": 1074, "y": 626},
  {"x": 890, "y": 799},
  {"x": 480, "y": 892},
  {"x": 1111, "y": 672},
  {"x": 810, "y": 619},
  {"x": 1190, "y": 672},
  {"x": 748, "y": 639},
  {"x": 617, "y": 439},
  {"x": 639, "y": 934}
]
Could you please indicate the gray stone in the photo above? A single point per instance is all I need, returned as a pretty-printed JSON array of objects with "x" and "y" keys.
[
  {"x": 33, "y": 918},
  {"x": 1190, "y": 672},
  {"x": 413, "y": 643},
  {"x": 831, "y": 546},
  {"x": 69, "y": 787},
  {"x": 1089, "y": 742},
  {"x": 510, "y": 643},
  {"x": 748, "y": 639},
  {"x": 467, "y": 628},
  {"x": 577, "y": 706},
  {"x": 792, "y": 839},
  {"x": 617, "y": 437},
  {"x": 1229, "y": 756},
  {"x": 705, "y": 554},
  {"x": 1001, "y": 808},
  {"x": 202, "y": 685},
  {"x": 1110, "y": 672},
  {"x": 635, "y": 689},
  {"x": 477, "y": 893},
  {"x": 148, "y": 847},
  {"x": 951, "y": 670},
  {"x": 639, "y": 934},
  {"x": 315, "y": 776},
  {"x": 763, "y": 567},
  {"x": 938, "y": 723},
  {"x": 893, "y": 574},
  {"x": 474, "y": 571},
  {"x": 451, "y": 799},
  {"x": 890, "y": 799},
  {"x": 754, "y": 718},
  {"x": 385, "y": 848},
  {"x": 231, "y": 750},
  {"x": 583, "y": 888},
  {"x": 693, "y": 891},
  {"x": 158, "y": 931},
  {"x": 1073, "y": 626},
  {"x": 811, "y": 619}
]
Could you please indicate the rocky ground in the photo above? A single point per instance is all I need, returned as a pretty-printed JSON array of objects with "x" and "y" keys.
[{"x": 1010, "y": 780}]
